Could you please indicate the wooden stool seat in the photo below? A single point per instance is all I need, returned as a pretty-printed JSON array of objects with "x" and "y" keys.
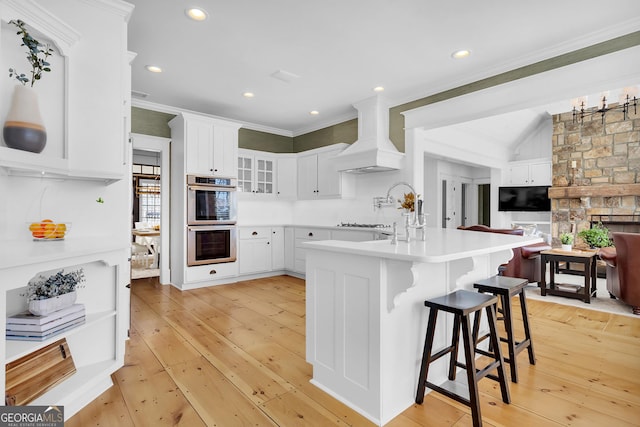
[
  {"x": 461, "y": 304},
  {"x": 505, "y": 288}
]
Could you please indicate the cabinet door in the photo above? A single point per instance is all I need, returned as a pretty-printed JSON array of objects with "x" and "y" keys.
[
  {"x": 286, "y": 182},
  {"x": 308, "y": 176},
  {"x": 245, "y": 174},
  {"x": 328, "y": 175},
  {"x": 254, "y": 255},
  {"x": 199, "y": 147},
  {"x": 264, "y": 176},
  {"x": 225, "y": 150},
  {"x": 519, "y": 175},
  {"x": 540, "y": 173},
  {"x": 277, "y": 248},
  {"x": 289, "y": 249}
]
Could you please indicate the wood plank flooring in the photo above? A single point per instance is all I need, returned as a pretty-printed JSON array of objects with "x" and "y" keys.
[{"x": 233, "y": 355}]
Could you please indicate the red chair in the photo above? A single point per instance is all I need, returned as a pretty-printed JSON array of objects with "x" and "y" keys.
[
  {"x": 525, "y": 263},
  {"x": 623, "y": 268}
]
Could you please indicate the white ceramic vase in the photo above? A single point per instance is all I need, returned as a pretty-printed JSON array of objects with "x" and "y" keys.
[
  {"x": 41, "y": 307},
  {"x": 566, "y": 248},
  {"x": 24, "y": 128}
]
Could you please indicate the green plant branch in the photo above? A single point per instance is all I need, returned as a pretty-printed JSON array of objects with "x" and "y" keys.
[{"x": 37, "y": 55}]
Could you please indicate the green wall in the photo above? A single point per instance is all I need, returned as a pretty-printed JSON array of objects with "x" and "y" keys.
[
  {"x": 346, "y": 132},
  {"x": 155, "y": 123},
  {"x": 263, "y": 141}
]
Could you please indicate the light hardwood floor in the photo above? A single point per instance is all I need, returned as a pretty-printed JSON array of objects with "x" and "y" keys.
[{"x": 233, "y": 355}]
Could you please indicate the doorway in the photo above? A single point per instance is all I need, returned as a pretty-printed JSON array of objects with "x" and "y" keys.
[{"x": 150, "y": 200}]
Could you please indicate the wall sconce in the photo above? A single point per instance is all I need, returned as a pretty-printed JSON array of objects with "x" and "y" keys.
[{"x": 574, "y": 166}]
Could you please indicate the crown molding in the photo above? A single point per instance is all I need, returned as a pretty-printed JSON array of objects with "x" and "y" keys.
[
  {"x": 162, "y": 108},
  {"x": 118, "y": 7},
  {"x": 61, "y": 34}
]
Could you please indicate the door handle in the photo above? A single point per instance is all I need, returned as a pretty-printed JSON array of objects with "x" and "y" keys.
[{"x": 448, "y": 218}]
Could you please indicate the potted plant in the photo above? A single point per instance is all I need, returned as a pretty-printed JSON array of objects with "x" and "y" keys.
[
  {"x": 596, "y": 236},
  {"x": 55, "y": 292},
  {"x": 24, "y": 128},
  {"x": 567, "y": 241}
]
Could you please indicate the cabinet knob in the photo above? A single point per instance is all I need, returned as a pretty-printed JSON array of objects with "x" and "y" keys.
[
  {"x": 255, "y": 233},
  {"x": 212, "y": 272},
  {"x": 310, "y": 234},
  {"x": 268, "y": 243}
]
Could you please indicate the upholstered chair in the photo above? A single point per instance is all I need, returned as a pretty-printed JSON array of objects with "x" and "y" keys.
[
  {"x": 623, "y": 268},
  {"x": 525, "y": 263}
]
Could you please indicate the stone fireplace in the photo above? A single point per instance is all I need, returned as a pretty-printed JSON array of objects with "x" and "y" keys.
[{"x": 596, "y": 171}]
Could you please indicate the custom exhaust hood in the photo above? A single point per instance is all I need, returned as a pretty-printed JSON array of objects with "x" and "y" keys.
[{"x": 373, "y": 151}]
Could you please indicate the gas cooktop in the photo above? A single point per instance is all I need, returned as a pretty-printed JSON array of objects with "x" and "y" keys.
[{"x": 358, "y": 225}]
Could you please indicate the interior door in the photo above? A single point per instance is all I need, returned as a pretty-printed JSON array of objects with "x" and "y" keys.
[{"x": 451, "y": 203}]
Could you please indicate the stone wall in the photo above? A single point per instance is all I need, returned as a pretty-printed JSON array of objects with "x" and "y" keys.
[{"x": 605, "y": 154}]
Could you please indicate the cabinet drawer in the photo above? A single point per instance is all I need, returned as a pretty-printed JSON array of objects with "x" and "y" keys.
[
  {"x": 313, "y": 234},
  {"x": 255, "y": 232},
  {"x": 201, "y": 273}
]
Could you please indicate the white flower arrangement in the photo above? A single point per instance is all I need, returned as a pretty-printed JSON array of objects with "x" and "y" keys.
[{"x": 55, "y": 285}]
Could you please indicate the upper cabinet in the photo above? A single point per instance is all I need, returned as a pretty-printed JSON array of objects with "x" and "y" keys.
[
  {"x": 256, "y": 172},
  {"x": 529, "y": 173},
  {"x": 318, "y": 177},
  {"x": 209, "y": 146},
  {"x": 84, "y": 106}
]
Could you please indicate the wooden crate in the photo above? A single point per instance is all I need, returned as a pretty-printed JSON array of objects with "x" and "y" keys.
[{"x": 34, "y": 374}]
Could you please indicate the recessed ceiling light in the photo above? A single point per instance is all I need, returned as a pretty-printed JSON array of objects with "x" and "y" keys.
[
  {"x": 248, "y": 94},
  {"x": 460, "y": 54},
  {"x": 196, "y": 13},
  {"x": 314, "y": 112},
  {"x": 378, "y": 89},
  {"x": 153, "y": 68}
]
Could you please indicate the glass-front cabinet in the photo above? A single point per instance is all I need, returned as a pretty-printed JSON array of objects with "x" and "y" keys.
[{"x": 256, "y": 173}]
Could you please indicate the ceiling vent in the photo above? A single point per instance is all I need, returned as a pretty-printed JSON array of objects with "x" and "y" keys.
[{"x": 285, "y": 76}]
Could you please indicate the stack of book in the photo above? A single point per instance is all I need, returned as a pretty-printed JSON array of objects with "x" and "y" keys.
[{"x": 29, "y": 327}]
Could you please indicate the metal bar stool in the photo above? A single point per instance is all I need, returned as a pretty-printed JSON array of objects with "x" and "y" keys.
[
  {"x": 505, "y": 288},
  {"x": 462, "y": 304}
]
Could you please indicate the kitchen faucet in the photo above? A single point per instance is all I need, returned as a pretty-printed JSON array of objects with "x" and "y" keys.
[{"x": 379, "y": 202}]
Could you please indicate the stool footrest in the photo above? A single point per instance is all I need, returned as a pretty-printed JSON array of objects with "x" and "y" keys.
[
  {"x": 441, "y": 353},
  {"x": 452, "y": 389}
]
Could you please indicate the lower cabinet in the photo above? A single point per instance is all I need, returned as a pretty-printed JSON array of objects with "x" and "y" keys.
[
  {"x": 254, "y": 252},
  {"x": 277, "y": 248}
]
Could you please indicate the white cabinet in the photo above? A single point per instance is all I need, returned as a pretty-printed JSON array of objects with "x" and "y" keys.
[
  {"x": 529, "y": 173},
  {"x": 84, "y": 107},
  {"x": 289, "y": 248},
  {"x": 261, "y": 249},
  {"x": 277, "y": 248},
  {"x": 104, "y": 295},
  {"x": 256, "y": 173},
  {"x": 318, "y": 176},
  {"x": 286, "y": 176},
  {"x": 254, "y": 253},
  {"x": 209, "y": 146},
  {"x": 306, "y": 234}
]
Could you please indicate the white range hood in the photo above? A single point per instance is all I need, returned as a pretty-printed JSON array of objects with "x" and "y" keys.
[{"x": 373, "y": 151}]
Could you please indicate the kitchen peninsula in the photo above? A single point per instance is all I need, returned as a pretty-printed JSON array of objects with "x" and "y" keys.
[{"x": 366, "y": 319}]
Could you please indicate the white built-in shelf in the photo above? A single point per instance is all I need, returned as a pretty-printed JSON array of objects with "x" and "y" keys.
[
  {"x": 16, "y": 349},
  {"x": 26, "y": 252}
]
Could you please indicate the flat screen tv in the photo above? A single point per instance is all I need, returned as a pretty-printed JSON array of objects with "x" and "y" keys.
[{"x": 524, "y": 199}]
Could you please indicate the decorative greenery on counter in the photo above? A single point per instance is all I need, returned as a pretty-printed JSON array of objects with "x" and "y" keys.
[
  {"x": 408, "y": 202},
  {"x": 58, "y": 284},
  {"x": 596, "y": 236},
  {"x": 37, "y": 55}
]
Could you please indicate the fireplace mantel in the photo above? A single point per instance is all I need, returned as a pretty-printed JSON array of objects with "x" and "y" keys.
[{"x": 609, "y": 190}]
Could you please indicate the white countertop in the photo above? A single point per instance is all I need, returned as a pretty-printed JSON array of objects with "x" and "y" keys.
[
  {"x": 441, "y": 245},
  {"x": 324, "y": 227}
]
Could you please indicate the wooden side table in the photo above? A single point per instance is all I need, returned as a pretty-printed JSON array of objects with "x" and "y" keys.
[{"x": 556, "y": 256}]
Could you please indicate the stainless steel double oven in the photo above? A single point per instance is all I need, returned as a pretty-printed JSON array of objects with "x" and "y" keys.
[{"x": 211, "y": 219}]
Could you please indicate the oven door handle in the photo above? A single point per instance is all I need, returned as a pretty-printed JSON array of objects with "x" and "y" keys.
[{"x": 210, "y": 188}]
